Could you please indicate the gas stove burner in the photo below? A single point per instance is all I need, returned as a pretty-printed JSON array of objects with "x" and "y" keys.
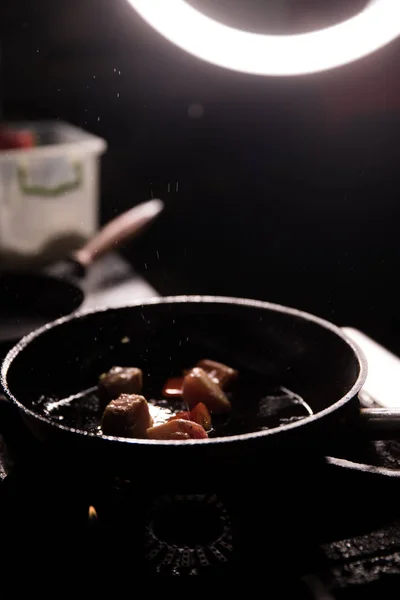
[{"x": 186, "y": 534}]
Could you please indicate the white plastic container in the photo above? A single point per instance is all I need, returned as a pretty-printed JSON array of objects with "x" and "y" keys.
[{"x": 49, "y": 194}]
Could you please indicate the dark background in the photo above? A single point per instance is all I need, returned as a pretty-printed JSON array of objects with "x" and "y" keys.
[{"x": 285, "y": 189}]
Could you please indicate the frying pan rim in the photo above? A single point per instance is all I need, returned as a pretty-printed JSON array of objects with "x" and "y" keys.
[
  {"x": 350, "y": 465},
  {"x": 186, "y": 299}
]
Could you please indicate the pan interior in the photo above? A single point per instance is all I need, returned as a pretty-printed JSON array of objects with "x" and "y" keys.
[{"x": 281, "y": 348}]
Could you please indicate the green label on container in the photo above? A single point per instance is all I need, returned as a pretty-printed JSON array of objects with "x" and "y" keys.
[{"x": 49, "y": 177}]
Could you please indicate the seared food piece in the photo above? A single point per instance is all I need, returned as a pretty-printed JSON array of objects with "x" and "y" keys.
[
  {"x": 221, "y": 374},
  {"x": 199, "y": 414},
  {"x": 173, "y": 387},
  {"x": 199, "y": 387},
  {"x": 127, "y": 416},
  {"x": 120, "y": 380},
  {"x": 184, "y": 414},
  {"x": 177, "y": 429}
]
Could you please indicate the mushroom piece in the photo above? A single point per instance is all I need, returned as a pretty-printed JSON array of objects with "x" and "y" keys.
[
  {"x": 221, "y": 374},
  {"x": 177, "y": 429},
  {"x": 199, "y": 387},
  {"x": 127, "y": 416},
  {"x": 120, "y": 380}
]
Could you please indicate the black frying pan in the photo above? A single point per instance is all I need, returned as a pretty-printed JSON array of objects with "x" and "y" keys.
[
  {"x": 283, "y": 346},
  {"x": 28, "y": 300}
]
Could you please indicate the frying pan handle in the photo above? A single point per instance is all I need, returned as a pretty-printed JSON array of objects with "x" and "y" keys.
[
  {"x": 117, "y": 231},
  {"x": 380, "y": 423}
]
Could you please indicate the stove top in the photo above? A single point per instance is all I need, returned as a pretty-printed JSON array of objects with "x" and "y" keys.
[
  {"x": 330, "y": 531},
  {"x": 340, "y": 541}
]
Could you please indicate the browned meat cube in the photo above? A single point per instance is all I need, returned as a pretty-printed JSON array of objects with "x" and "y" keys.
[
  {"x": 178, "y": 429},
  {"x": 120, "y": 380},
  {"x": 220, "y": 373},
  {"x": 199, "y": 387},
  {"x": 127, "y": 416}
]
